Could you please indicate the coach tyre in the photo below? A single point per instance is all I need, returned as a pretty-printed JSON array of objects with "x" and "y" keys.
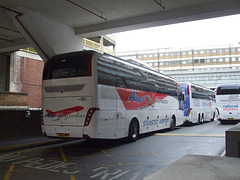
[
  {"x": 202, "y": 119},
  {"x": 133, "y": 132},
  {"x": 213, "y": 117},
  {"x": 199, "y": 119},
  {"x": 172, "y": 123}
]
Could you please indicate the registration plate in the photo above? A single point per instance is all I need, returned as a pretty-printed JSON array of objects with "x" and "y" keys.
[
  {"x": 63, "y": 134},
  {"x": 230, "y": 118}
]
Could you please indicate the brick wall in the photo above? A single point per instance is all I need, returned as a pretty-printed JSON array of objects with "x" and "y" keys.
[
  {"x": 13, "y": 99},
  {"x": 30, "y": 80}
]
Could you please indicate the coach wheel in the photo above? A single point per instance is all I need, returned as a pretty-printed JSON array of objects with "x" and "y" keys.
[
  {"x": 213, "y": 117},
  {"x": 172, "y": 123},
  {"x": 202, "y": 119},
  {"x": 133, "y": 131},
  {"x": 199, "y": 119}
]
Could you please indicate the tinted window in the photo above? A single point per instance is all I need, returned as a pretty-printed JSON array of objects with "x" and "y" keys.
[
  {"x": 67, "y": 66},
  {"x": 200, "y": 93},
  {"x": 115, "y": 73},
  {"x": 228, "y": 90},
  {"x": 106, "y": 71}
]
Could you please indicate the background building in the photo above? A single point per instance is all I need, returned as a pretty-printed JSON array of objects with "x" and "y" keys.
[{"x": 206, "y": 66}]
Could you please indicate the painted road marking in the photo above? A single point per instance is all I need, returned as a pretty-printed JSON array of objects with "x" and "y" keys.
[
  {"x": 62, "y": 154},
  {"x": 223, "y": 153},
  {"x": 65, "y": 160},
  {"x": 191, "y": 135},
  {"x": 8, "y": 174}
]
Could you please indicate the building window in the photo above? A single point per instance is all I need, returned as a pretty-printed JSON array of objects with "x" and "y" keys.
[
  {"x": 178, "y": 53},
  {"x": 202, "y": 61},
  {"x": 214, "y": 60},
  {"x": 195, "y": 61},
  {"x": 172, "y": 53},
  {"x": 190, "y": 61},
  {"x": 166, "y": 54},
  {"x": 155, "y": 64},
  {"x": 208, "y": 60},
  {"x": 161, "y": 63},
  {"x": 150, "y": 55},
  {"x": 172, "y": 62},
  {"x": 226, "y": 59},
  {"x": 166, "y": 63},
  {"x": 239, "y": 49},
  {"x": 226, "y": 50},
  {"x": 233, "y": 50},
  {"x": 184, "y": 62},
  {"x": 139, "y": 56},
  {"x": 233, "y": 59},
  {"x": 145, "y": 55},
  {"x": 184, "y": 53},
  {"x": 208, "y": 51},
  {"x": 155, "y": 55},
  {"x": 220, "y": 50},
  {"x": 201, "y": 51},
  {"x": 178, "y": 62},
  {"x": 214, "y": 51},
  {"x": 196, "y": 52},
  {"x": 161, "y": 54},
  {"x": 190, "y": 52},
  {"x": 220, "y": 59}
]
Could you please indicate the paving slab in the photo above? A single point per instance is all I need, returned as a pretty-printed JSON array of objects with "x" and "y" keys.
[{"x": 197, "y": 167}]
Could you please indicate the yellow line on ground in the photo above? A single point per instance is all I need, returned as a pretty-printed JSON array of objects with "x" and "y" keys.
[
  {"x": 72, "y": 177},
  {"x": 122, "y": 164},
  {"x": 191, "y": 135},
  {"x": 159, "y": 156},
  {"x": 103, "y": 151},
  {"x": 62, "y": 154},
  {"x": 65, "y": 160},
  {"x": 8, "y": 174}
]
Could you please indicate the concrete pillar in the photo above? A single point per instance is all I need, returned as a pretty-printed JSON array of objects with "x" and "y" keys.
[
  {"x": 101, "y": 44},
  {"x": 47, "y": 36},
  {"x": 14, "y": 73}
]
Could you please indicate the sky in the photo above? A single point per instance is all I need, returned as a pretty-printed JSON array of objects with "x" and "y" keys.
[{"x": 210, "y": 32}]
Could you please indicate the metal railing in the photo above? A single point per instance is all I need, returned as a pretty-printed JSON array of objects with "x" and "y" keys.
[
  {"x": 86, "y": 42},
  {"x": 29, "y": 50},
  {"x": 96, "y": 46}
]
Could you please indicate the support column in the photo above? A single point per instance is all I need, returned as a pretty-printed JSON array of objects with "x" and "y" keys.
[
  {"x": 46, "y": 36},
  {"x": 101, "y": 44}
]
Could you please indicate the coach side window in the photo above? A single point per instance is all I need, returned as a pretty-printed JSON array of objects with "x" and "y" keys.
[{"x": 106, "y": 71}]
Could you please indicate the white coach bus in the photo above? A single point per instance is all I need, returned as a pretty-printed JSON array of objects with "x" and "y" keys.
[
  {"x": 228, "y": 102},
  {"x": 92, "y": 95},
  {"x": 199, "y": 104}
]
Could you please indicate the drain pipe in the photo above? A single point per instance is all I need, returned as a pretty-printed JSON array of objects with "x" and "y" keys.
[{"x": 18, "y": 14}]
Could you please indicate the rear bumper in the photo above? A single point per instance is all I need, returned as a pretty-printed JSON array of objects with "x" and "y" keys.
[{"x": 64, "y": 131}]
